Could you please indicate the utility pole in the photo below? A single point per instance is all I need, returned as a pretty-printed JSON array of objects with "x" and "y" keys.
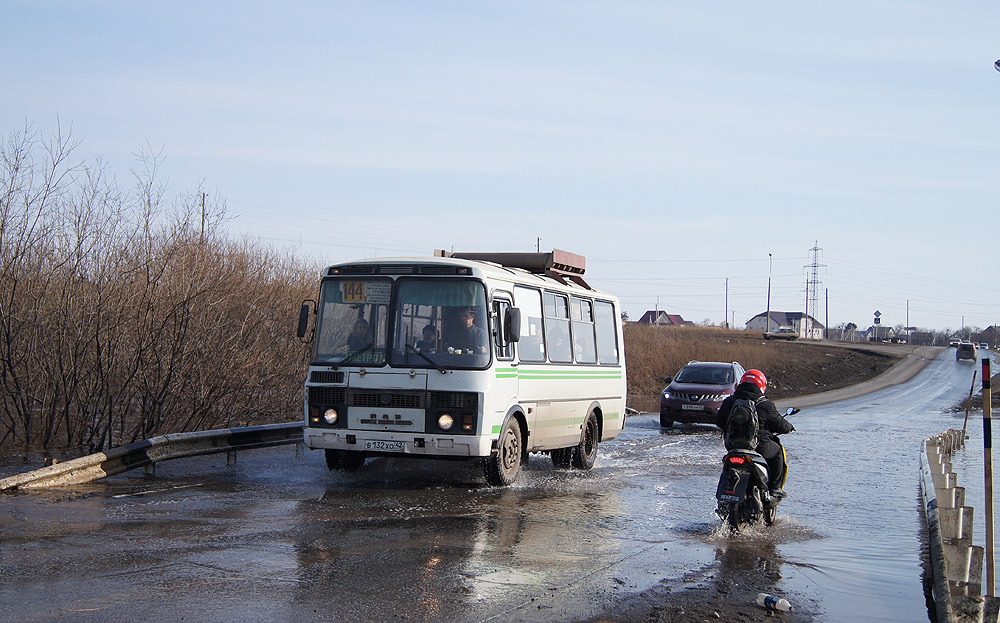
[
  {"x": 202, "y": 218},
  {"x": 767, "y": 325},
  {"x": 538, "y": 245},
  {"x": 826, "y": 329},
  {"x": 725, "y": 316}
]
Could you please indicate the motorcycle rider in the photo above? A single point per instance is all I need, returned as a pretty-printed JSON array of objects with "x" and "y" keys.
[{"x": 752, "y": 386}]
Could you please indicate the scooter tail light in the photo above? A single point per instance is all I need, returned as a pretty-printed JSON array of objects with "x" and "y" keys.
[{"x": 736, "y": 460}]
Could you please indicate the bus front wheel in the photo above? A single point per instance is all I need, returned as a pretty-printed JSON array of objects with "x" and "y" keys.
[
  {"x": 345, "y": 460},
  {"x": 503, "y": 466},
  {"x": 586, "y": 452}
]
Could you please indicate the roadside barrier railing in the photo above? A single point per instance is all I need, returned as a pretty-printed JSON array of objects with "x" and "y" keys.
[
  {"x": 956, "y": 564},
  {"x": 148, "y": 452}
]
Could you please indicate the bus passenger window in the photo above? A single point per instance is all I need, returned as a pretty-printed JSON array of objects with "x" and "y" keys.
[
  {"x": 557, "y": 328},
  {"x": 584, "y": 346},
  {"x": 605, "y": 323}
]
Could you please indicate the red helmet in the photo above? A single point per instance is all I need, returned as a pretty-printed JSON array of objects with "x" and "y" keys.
[{"x": 756, "y": 377}]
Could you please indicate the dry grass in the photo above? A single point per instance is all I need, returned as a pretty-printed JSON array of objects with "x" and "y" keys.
[
  {"x": 792, "y": 368},
  {"x": 655, "y": 352}
]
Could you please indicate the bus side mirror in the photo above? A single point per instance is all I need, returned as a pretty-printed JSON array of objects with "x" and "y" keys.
[
  {"x": 512, "y": 325},
  {"x": 304, "y": 312}
]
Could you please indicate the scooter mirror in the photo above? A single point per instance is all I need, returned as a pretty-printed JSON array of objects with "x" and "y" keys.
[{"x": 791, "y": 411}]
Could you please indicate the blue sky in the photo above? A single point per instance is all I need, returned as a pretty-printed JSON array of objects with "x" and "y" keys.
[{"x": 675, "y": 145}]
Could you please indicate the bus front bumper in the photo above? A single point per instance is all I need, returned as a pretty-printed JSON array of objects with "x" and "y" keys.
[{"x": 377, "y": 442}]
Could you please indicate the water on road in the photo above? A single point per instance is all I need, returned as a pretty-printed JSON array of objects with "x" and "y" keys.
[{"x": 277, "y": 537}]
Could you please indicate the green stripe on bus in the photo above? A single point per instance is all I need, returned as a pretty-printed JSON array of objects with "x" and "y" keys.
[
  {"x": 512, "y": 373},
  {"x": 562, "y": 422}
]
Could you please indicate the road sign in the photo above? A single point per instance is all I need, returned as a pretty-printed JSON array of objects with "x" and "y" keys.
[{"x": 877, "y": 313}]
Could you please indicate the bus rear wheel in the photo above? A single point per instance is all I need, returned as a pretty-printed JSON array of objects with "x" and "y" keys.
[
  {"x": 503, "y": 466},
  {"x": 586, "y": 453}
]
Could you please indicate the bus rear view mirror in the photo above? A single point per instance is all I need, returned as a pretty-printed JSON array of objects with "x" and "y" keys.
[
  {"x": 304, "y": 312},
  {"x": 512, "y": 325}
]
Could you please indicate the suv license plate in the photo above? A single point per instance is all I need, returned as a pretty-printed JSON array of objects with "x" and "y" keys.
[
  {"x": 385, "y": 446},
  {"x": 693, "y": 407}
]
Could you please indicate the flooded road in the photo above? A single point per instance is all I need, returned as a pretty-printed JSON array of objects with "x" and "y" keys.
[{"x": 276, "y": 537}]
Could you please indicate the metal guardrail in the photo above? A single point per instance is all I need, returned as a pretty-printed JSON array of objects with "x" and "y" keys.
[{"x": 147, "y": 452}]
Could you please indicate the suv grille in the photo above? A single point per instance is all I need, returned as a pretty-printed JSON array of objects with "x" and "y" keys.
[{"x": 700, "y": 397}]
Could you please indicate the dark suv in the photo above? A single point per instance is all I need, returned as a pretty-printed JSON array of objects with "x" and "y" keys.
[
  {"x": 695, "y": 393},
  {"x": 966, "y": 350}
]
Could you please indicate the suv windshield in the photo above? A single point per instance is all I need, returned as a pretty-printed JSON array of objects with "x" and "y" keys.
[
  {"x": 352, "y": 321},
  {"x": 705, "y": 375},
  {"x": 440, "y": 323}
]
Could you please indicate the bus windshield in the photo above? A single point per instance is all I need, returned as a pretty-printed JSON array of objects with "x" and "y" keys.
[
  {"x": 352, "y": 321},
  {"x": 440, "y": 323}
]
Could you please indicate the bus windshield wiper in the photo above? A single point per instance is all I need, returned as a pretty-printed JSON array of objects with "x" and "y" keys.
[
  {"x": 343, "y": 362},
  {"x": 426, "y": 358}
]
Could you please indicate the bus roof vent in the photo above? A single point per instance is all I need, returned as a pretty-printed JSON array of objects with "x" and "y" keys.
[{"x": 558, "y": 264}]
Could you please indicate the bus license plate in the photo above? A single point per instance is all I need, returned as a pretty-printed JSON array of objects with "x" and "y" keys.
[
  {"x": 385, "y": 446},
  {"x": 693, "y": 407}
]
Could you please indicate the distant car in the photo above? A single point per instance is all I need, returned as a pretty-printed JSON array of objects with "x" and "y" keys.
[
  {"x": 984, "y": 346},
  {"x": 781, "y": 333},
  {"x": 954, "y": 343},
  {"x": 695, "y": 393},
  {"x": 966, "y": 350}
]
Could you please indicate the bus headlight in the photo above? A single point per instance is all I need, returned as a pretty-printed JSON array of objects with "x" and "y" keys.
[
  {"x": 445, "y": 422},
  {"x": 330, "y": 415}
]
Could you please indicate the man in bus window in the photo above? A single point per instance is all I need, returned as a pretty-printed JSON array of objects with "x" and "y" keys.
[
  {"x": 469, "y": 336},
  {"x": 359, "y": 337}
]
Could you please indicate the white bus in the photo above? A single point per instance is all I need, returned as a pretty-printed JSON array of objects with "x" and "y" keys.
[{"x": 462, "y": 355}]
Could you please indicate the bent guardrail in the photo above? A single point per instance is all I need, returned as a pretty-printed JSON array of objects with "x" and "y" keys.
[{"x": 147, "y": 452}]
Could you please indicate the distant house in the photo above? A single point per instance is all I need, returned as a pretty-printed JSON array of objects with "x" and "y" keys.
[
  {"x": 805, "y": 325},
  {"x": 991, "y": 335},
  {"x": 663, "y": 319}
]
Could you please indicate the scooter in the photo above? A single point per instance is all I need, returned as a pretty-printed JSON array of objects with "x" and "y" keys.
[{"x": 743, "y": 495}]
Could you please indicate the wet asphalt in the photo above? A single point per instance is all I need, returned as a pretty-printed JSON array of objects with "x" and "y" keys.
[{"x": 277, "y": 537}]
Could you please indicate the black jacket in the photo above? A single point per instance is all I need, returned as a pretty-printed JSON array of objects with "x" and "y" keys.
[{"x": 771, "y": 422}]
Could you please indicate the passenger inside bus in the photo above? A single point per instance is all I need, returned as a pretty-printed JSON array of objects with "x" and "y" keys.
[
  {"x": 533, "y": 348},
  {"x": 428, "y": 344},
  {"x": 468, "y": 336},
  {"x": 359, "y": 337}
]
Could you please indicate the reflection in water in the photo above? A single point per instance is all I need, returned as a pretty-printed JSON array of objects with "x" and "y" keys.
[{"x": 451, "y": 552}]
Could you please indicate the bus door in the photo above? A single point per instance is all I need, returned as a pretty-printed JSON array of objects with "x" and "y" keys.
[{"x": 504, "y": 389}]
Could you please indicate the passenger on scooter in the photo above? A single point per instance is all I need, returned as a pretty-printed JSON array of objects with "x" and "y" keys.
[{"x": 752, "y": 386}]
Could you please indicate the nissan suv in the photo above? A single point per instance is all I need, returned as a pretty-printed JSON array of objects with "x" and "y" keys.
[{"x": 695, "y": 393}]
